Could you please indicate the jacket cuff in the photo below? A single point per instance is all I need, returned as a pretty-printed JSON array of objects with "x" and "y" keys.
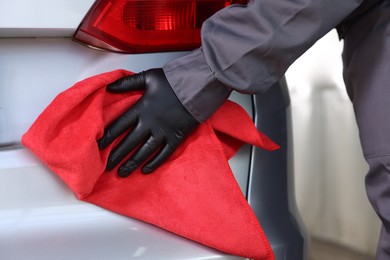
[{"x": 195, "y": 85}]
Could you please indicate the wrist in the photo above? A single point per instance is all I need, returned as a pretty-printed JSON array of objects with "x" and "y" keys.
[{"x": 195, "y": 85}]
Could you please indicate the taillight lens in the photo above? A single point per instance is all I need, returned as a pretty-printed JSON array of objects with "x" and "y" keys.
[{"x": 137, "y": 26}]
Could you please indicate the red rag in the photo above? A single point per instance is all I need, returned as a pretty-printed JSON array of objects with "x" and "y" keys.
[{"x": 194, "y": 194}]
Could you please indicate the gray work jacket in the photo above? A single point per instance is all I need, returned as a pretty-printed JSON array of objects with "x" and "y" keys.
[{"x": 248, "y": 48}]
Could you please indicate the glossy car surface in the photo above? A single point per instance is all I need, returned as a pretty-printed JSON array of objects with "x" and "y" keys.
[{"x": 40, "y": 218}]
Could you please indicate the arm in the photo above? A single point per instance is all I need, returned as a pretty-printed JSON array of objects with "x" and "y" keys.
[{"x": 249, "y": 48}]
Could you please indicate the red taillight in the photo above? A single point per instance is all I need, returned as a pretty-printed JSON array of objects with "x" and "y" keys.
[{"x": 137, "y": 26}]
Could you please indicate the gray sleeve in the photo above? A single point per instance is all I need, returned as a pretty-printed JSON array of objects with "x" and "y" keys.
[{"x": 248, "y": 48}]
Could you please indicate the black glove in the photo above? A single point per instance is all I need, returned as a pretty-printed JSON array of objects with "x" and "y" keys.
[{"x": 158, "y": 120}]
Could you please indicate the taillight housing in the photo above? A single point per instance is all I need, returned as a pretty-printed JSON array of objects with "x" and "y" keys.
[{"x": 138, "y": 26}]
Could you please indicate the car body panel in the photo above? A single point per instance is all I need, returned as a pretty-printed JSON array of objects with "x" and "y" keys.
[
  {"x": 40, "y": 218},
  {"x": 41, "y": 18},
  {"x": 37, "y": 211}
]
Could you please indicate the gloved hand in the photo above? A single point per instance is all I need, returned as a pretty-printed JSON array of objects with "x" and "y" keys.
[{"x": 158, "y": 120}]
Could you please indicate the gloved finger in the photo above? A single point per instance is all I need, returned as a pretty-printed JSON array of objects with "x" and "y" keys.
[
  {"x": 140, "y": 156},
  {"x": 119, "y": 126},
  {"x": 134, "y": 138},
  {"x": 158, "y": 159},
  {"x": 128, "y": 83}
]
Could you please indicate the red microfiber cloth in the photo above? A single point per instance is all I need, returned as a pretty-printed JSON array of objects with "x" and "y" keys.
[{"x": 194, "y": 194}]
